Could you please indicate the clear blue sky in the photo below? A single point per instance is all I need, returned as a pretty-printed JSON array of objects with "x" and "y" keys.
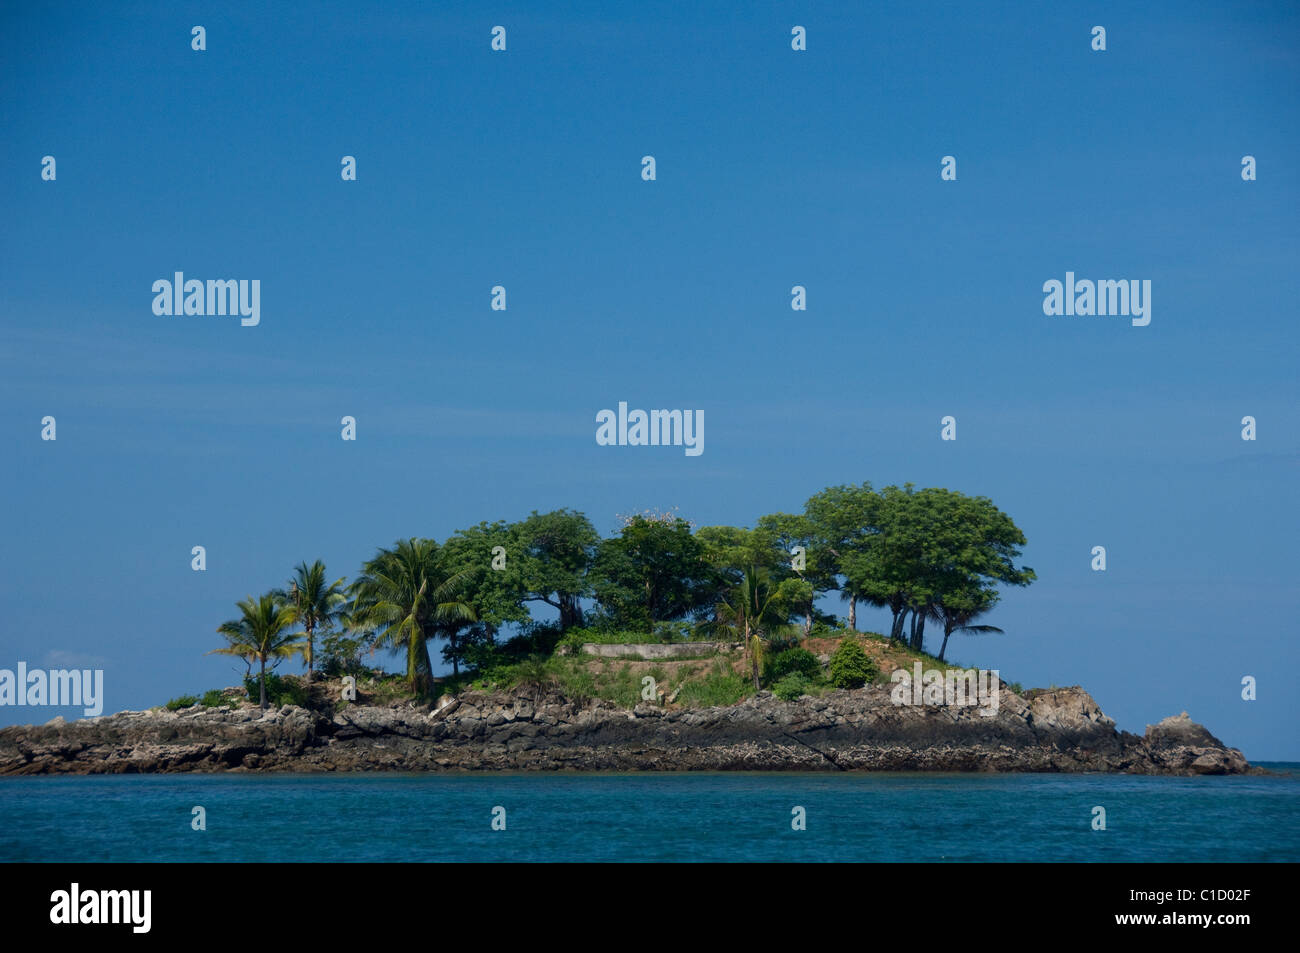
[{"x": 775, "y": 168}]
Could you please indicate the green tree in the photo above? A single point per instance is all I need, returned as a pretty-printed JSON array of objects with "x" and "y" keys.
[
  {"x": 403, "y": 595},
  {"x": 752, "y": 610},
  {"x": 931, "y": 548},
  {"x": 488, "y": 558},
  {"x": 316, "y": 604},
  {"x": 260, "y": 635},
  {"x": 780, "y": 533},
  {"x": 843, "y": 522},
  {"x": 957, "y": 611},
  {"x": 653, "y": 571},
  {"x": 555, "y": 555}
]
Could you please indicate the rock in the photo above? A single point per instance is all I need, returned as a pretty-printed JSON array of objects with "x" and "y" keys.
[{"x": 1058, "y": 730}]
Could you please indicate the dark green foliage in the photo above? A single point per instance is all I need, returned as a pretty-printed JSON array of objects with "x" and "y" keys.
[
  {"x": 214, "y": 698},
  {"x": 850, "y": 665},
  {"x": 653, "y": 571},
  {"x": 279, "y": 690},
  {"x": 793, "y": 686},
  {"x": 184, "y": 701},
  {"x": 792, "y": 661},
  {"x": 341, "y": 653}
]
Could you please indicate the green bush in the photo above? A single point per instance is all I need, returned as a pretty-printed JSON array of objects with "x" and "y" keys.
[
  {"x": 279, "y": 691},
  {"x": 850, "y": 666},
  {"x": 213, "y": 698},
  {"x": 341, "y": 654},
  {"x": 183, "y": 701},
  {"x": 791, "y": 661},
  {"x": 792, "y": 686}
]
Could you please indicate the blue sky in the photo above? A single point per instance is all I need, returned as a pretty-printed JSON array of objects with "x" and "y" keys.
[{"x": 775, "y": 168}]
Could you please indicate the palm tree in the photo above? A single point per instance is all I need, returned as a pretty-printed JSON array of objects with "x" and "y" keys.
[
  {"x": 406, "y": 597},
  {"x": 751, "y": 610},
  {"x": 958, "y": 613},
  {"x": 316, "y": 604},
  {"x": 260, "y": 635}
]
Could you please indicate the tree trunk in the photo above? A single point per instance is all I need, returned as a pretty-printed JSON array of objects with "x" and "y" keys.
[
  {"x": 853, "y": 612},
  {"x": 261, "y": 680},
  {"x": 570, "y": 612},
  {"x": 807, "y": 623},
  {"x": 455, "y": 660},
  {"x": 947, "y": 631},
  {"x": 918, "y": 630},
  {"x": 900, "y": 619},
  {"x": 311, "y": 650}
]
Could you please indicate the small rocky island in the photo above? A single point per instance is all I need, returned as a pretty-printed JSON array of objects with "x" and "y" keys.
[{"x": 1043, "y": 730}]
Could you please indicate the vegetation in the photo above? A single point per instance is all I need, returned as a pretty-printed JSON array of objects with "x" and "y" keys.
[
  {"x": 793, "y": 662},
  {"x": 926, "y": 556},
  {"x": 316, "y": 604},
  {"x": 260, "y": 635},
  {"x": 849, "y": 666}
]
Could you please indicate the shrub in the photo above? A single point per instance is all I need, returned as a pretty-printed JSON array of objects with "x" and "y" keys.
[
  {"x": 341, "y": 654},
  {"x": 792, "y": 661},
  {"x": 850, "y": 666},
  {"x": 792, "y": 686},
  {"x": 673, "y": 631},
  {"x": 279, "y": 691},
  {"x": 183, "y": 701},
  {"x": 213, "y": 698}
]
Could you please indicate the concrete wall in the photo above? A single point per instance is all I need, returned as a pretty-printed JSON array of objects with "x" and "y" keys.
[{"x": 657, "y": 650}]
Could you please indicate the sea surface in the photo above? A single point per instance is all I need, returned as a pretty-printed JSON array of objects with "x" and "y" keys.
[{"x": 651, "y": 817}]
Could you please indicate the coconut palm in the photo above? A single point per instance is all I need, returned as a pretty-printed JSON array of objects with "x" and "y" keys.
[
  {"x": 260, "y": 634},
  {"x": 958, "y": 612},
  {"x": 751, "y": 609},
  {"x": 316, "y": 604},
  {"x": 406, "y": 597}
]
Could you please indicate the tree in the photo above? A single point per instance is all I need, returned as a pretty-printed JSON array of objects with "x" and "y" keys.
[
  {"x": 780, "y": 533},
  {"x": 734, "y": 552},
  {"x": 842, "y": 521},
  {"x": 555, "y": 554},
  {"x": 403, "y": 595},
  {"x": 260, "y": 634},
  {"x": 316, "y": 604},
  {"x": 752, "y": 610},
  {"x": 957, "y": 612},
  {"x": 488, "y": 557},
  {"x": 929, "y": 549},
  {"x": 652, "y": 572}
]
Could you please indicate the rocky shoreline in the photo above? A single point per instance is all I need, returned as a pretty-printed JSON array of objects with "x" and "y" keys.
[{"x": 1059, "y": 730}]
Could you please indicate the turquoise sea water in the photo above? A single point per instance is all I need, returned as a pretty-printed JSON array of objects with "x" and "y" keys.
[{"x": 648, "y": 817}]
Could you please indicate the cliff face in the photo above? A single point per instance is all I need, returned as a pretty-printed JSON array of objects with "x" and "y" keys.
[{"x": 1058, "y": 730}]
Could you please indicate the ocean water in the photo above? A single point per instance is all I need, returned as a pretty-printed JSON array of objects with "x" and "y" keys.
[{"x": 651, "y": 817}]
